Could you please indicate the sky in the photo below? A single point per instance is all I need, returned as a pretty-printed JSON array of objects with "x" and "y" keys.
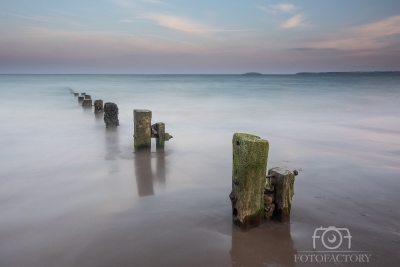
[{"x": 198, "y": 37}]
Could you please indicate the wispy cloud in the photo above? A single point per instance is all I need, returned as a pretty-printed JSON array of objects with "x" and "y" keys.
[
  {"x": 153, "y": 2},
  {"x": 46, "y": 19},
  {"x": 178, "y": 23},
  {"x": 294, "y": 22},
  {"x": 187, "y": 25},
  {"x": 278, "y": 8},
  {"x": 127, "y": 21},
  {"x": 372, "y": 36}
]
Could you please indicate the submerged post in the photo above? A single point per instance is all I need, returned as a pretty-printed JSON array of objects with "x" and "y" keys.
[
  {"x": 87, "y": 103},
  {"x": 98, "y": 106},
  {"x": 76, "y": 94},
  {"x": 283, "y": 186},
  {"x": 87, "y": 97},
  {"x": 83, "y": 94},
  {"x": 111, "y": 115},
  {"x": 80, "y": 99},
  {"x": 250, "y": 156},
  {"x": 158, "y": 132},
  {"x": 142, "y": 128}
]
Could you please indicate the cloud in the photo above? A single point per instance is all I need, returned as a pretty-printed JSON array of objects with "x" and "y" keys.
[
  {"x": 46, "y": 19},
  {"x": 127, "y": 21},
  {"x": 178, "y": 23},
  {"x": 372, "y": 36},
  {"x": 153, "y": 2},
  {"x": 278, "y": 8},
  {"x": 294, "y": 22}
]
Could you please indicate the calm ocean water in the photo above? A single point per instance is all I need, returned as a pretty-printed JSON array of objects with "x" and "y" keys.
[{"x": 74, "y": 194}]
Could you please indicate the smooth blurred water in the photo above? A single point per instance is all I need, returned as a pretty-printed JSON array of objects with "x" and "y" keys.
[{"x": 74, "y": 194}]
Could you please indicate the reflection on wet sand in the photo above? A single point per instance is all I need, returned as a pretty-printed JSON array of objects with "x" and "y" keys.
[
  {"x": 160, "y": 156},
  {"x": 271, "y": 244},
  {"x": 143, "y": 171}
]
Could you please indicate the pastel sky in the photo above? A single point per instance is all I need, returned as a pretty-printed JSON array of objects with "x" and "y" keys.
[{"x": 213, "y": 37}]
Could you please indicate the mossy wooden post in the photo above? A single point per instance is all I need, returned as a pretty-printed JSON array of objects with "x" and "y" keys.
[
  {"x": 283, "y": 181},
  {"x": 87, "y": 103},
  {"x": 250, "y": 156},
  {"x": 142, "y": 128},
  {"x": 98, "y": 106}
]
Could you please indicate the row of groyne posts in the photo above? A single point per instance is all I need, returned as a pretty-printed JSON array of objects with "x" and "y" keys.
[
  {"x": 143, "y": 128},
  {"x": 255, "y": 197}
]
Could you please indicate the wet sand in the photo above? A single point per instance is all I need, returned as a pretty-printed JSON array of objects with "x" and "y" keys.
[{"x": 77, "y": 195}]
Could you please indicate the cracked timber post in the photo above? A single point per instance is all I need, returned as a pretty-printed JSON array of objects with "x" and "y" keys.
[
  {"x": 250, "y": 156},
  {"x": 142, "y": 128},
  {"x": 283, "y": 183}
]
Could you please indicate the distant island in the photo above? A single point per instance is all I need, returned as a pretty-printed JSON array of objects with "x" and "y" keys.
[
  {"x": 252, "y": 73},
  {"x": 348, "y": 72}
]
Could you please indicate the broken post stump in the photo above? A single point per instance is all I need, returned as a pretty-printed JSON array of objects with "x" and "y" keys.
[
  {"x": 98, "y": 106},
  {"x": 87, "y": 103},
  {"x": 250, "y": 156},
  {"x": 111, "y": 115},
  {"x": 80, "y": 99},
  {"x": 76, "y": 94},
  {"x": 283, "y": 188},
  {"x": 87, "y": 97},
  {"x": 158, "y": 132},
  {"x": 142, "y": 128}
]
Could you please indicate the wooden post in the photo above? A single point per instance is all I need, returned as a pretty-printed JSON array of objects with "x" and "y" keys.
[
  {"x": 87, "y": 103},
  {"x": 76, "y": 94},
  {"x": 98, "y": 106},
  {"x": 142, "y": 128},
  {"x": 160, "y": 141},
  {"x": 283, "y": 182},
  {"x": 87, "y": 97},
  {"x": 111, "y": 115},
  {"x": 83, "y": 94},
  {"x": 250, "y": 156},
  {"x": 80, "y": 99}
]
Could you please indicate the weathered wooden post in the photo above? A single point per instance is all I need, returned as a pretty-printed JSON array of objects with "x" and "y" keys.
[
  {"x": 158, "y": 132},
  {"x": 98, "y": 106},
  {"x": 76, "y": 94},
  {"x": 87, "y": 103},
  {"x": 83, "y": 94},
  {"x": 282, "y": 181},
  {"x": 250, "y": 156},
  {"x": 142, "y": 128},
  {"x": 80, "y": 99},
  {"x": 111, "y": 114},
  {"x": 87, "y": 97}
]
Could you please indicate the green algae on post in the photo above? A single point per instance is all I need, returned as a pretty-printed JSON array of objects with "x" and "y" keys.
[
  {"x": 142, "y": 128},
  {"x": 283, "y": 182},
  {"x": 250, "y": 156}
]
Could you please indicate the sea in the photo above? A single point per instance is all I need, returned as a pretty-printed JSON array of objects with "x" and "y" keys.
[{"x": 75, "y": 193}]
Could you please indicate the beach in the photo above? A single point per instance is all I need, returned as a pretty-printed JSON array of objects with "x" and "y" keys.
[{"x": 73, "y": 193}]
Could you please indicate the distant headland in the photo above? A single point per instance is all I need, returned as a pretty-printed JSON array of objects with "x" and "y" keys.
[
  {"x": 252, "y": 73},
  {"x": 348, "y": 72}
]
